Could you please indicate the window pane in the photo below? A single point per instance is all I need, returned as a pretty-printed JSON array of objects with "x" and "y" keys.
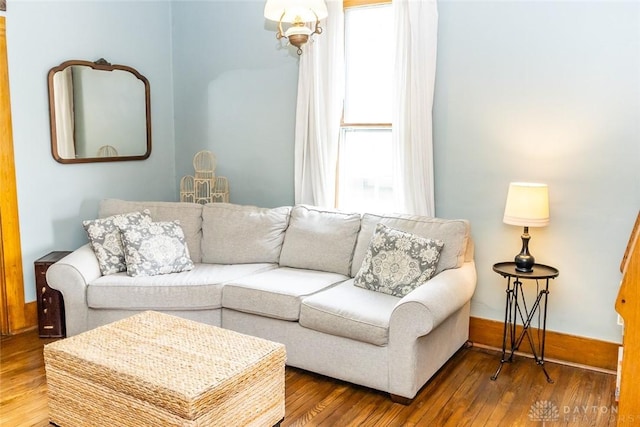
[
  {"x": 365, "y": 183},
  {"x": 369, "y": 64}
]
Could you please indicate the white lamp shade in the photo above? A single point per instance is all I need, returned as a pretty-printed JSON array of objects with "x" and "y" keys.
[
  {"x": 527, "y": 205},
  {"x": 304, "y": 9}
]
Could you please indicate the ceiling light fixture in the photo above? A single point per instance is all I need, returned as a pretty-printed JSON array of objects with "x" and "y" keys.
[{"x": 302, "y": 16}]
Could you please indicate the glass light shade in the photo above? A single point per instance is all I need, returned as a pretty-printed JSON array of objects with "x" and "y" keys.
[
  {"x": 527, "y": 205},
  {"x": 295, "y": 10},
  {"x": 304, "y": 30}
]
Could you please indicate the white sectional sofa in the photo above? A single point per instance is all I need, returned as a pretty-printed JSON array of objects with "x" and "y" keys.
[{"x": 287, "y": 274}]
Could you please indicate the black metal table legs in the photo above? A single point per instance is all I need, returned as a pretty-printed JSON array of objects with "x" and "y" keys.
[{"x": 516, "y": 307}]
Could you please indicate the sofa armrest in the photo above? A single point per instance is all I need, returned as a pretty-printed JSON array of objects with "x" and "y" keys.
[
  {"x": 423, "y": 309},
  {"x": 416, "y": 348},
  {"x": 70, "y": 276}
]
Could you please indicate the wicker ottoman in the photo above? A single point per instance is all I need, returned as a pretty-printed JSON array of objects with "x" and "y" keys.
[{"x": 153, "y": 369}]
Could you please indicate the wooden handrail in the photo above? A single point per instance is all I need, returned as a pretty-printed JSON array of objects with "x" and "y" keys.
[{"x": 628, "y": 306}]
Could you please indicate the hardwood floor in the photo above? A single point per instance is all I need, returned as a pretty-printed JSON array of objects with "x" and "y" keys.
[{"x": 460, "y": 394}]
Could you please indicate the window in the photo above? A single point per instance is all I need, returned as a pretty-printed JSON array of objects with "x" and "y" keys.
[{"x": 365, "y": 181}]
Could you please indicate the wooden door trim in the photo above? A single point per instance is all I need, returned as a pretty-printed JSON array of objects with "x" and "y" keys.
[{"x": 16, "y": 315}]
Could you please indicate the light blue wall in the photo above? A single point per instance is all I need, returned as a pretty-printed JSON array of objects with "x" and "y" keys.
[
  {"x": 53, "y": 198},
  {"x": 235, "y": 93},
  {"x": 544, "y": 91},
  {"x": 525, "y": 90}
]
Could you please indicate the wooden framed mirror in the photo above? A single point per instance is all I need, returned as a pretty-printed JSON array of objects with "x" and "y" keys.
[{"x": 98, "y": 112}]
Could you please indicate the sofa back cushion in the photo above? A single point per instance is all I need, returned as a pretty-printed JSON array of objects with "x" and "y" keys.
[
  {"x": 319, "y": 239},
  {"x": 234, "y": 234},
  {"x": 189, "y": 215},
  {"x": 455, "y": 233}
]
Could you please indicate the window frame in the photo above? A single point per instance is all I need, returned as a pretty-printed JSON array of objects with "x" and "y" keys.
[
  {"x": 346, "y": 126},
  {"x": 346, "y": 4},
  {"x": 349, "y": 4}
]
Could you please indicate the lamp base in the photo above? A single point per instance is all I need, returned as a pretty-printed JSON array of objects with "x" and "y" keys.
[
  {"x": 524, "y": 260},
  {"x": 524, "y": 263}
]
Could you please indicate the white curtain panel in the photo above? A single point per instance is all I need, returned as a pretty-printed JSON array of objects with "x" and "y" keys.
[
  {"x": 318, "y": 112},
  {"x": 63, "y": 95},
  {"x": 416, "y": 31}
]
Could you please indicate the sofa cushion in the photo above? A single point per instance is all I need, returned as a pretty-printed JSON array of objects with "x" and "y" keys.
[
  {"x": 106, "y": 241},
  {"x": 455, "y": 233},
  {"x": 349, "y": 311},
  {"x": 397, "y": 262},
  {"x": 199, "y": 288},
  {"x": 189, "y": 215},
  {"x": 234, "y": 234},
  {"x": 276, "y": 293},
  {"x": 320, "y": 239},
  {"x": 155, "y": 248}
]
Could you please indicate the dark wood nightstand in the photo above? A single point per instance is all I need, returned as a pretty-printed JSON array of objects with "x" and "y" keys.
[{"x": 51, "y": 322}]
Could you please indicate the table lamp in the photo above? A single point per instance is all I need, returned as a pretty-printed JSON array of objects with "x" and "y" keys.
[{"x": 527, "y": 206}]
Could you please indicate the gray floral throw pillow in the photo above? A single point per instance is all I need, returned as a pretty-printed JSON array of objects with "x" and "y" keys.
[
  {"x": 106, "y": 242},
  {"x": 398, "y": 262},
  {"x": 155, "y": 248}
]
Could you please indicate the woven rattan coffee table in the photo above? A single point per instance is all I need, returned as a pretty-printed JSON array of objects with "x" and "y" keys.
[{"x": 154, "y": 369}]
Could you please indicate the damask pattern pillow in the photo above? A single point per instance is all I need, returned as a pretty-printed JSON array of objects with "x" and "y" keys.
[
  {"x": 106, "y": 242},
  {"x": 155, "y": 248},
  {"x": 397, "y": 262}
]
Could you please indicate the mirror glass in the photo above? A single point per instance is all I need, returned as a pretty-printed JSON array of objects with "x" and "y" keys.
[{"x": 98, "y": 112}]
